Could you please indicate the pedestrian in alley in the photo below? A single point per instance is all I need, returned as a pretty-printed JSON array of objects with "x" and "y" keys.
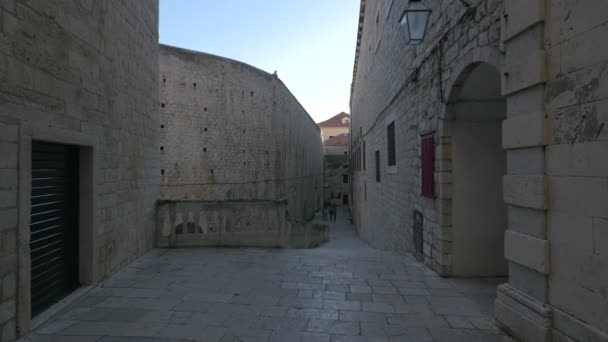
[
  {"x": 332, "y": 209},
  {"x": 325, "y": 209}
]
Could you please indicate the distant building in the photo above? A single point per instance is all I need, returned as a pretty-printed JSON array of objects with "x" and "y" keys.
[
  {"x": 335, "y": 126},
  {"x": 336, "y": 168}
]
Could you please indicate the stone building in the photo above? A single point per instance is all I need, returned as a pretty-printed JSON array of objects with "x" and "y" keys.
[
  {"x": 79, "y": 173},
  {"x": 334, "y": 126},
  {"x": 483, "y": 151},
  {"x": 336, "y": 168},
  {"x": 241, "y": 160}
]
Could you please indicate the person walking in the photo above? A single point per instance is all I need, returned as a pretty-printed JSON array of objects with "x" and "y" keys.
[{"x": 332, "y": 209}]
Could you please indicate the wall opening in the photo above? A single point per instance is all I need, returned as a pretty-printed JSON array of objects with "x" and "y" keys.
[{"x": 478, "y": 212}]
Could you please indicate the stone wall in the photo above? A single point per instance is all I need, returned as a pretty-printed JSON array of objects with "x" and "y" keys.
[
  {"x": 576, "y": 157},
  {"x": 550, "y": 67},
  {"x": 231, "y": 132},
  {"x": 410, "y": 85},
  {"x": 82, "y": 73}
]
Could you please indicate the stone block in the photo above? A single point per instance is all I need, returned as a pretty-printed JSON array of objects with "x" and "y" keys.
[
  {"x": 600, "y": 235},
  {"x": 527, "y": 251},
  {"x": 526, "y": 161},
  {"x": 582, "y": 50},
  {"x": 8, "y": 199},
  {"x": 9, "y": 331},
  {"x": 525, "y": 131},
  {"x": 570, "y": 231},
  {"x": 8, "y": 132},
  {"x": 580, "y": 196},
  {"x": 7, "y": 311},
  {"x": 521, "y": 14},
  {"x": 529, "y": 191},
  {"x": 532, "y": 222},
  {"x": 9, "y": 153},
  {"x": 528, "y": 281},
  {"x": 528, "y": 71},
  {"x": 571, "y": 19},
  {"x": 8, "y": 219},
  {"x": 9, "y": 286},
  {"x": 581, "y": 159},
  {"x": 526, "y": 101}
]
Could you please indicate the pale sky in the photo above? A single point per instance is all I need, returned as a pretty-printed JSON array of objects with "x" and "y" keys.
[{"x": 310, "y": 43}]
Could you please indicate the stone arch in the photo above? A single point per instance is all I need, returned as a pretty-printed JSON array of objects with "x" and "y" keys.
[{"x": 473, "y": 213}]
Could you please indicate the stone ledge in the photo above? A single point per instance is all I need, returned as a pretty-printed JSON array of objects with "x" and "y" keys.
[
  {"x": 522, "y": 316},
  {"x": 566, "y": 326}
]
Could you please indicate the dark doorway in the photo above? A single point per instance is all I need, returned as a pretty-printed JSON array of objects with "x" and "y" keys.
[
  {"x": 345, "y": 199},
  {"x": 54, "y": 223}
]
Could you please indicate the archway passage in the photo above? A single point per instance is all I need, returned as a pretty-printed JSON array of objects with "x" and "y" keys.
[{"x": 479, "y": 214}]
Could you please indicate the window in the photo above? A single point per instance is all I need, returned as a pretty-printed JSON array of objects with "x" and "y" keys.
[
  {"x": 345, "y": 153},
  {"x": 390, "y": 137},
  {"x": 427, "y": 156},
  {"x": 345, "y": 179},
  {"x": 345, "y": 166},
  {"x": 377, "y": 166},
  {"x": 363, "y": 155}
]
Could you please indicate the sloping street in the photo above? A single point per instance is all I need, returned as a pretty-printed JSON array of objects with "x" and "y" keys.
[{"x": 341, "y": 291}]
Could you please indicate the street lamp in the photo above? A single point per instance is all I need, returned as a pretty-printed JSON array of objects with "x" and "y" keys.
[{"x": 414, "y": 21}]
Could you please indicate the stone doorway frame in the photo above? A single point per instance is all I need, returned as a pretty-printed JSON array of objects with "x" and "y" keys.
[
  {"x": 443, "y": 152},
  {"x": 88, "y": 161}
]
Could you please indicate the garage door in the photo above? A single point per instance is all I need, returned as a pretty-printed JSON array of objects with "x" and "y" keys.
[{"x": 54, "y": 224}]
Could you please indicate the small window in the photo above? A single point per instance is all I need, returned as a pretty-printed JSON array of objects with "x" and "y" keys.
[
  {"x": 427, "y": 156},
  {"x": 345, "y": 179},
  {"x": 390, "y": 138},
  {"x": 345, "y": 166},
  {"x": 363, "y": 155},
  {"x": 377, "y": 166},
  {"x": 345, "y": 153},
  {"x": 331, "y": 136}
]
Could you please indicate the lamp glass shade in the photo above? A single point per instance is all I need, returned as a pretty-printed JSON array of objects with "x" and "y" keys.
[{"x": 414, "y": 21}]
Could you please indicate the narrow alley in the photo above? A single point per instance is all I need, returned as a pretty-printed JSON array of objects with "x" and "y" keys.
[{"x": 341, "y": 291}]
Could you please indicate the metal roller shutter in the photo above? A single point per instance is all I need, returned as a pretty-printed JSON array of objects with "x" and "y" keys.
[{"x": 54, "y": 224}]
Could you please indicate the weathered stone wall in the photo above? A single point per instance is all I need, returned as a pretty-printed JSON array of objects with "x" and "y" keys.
[
  {"x": 231, "y": 132},
  {"x": 410, "y": 86},
  {"x": 82, "y": 73},
  {"x": 576, "y": 157},
  {"x": 553, "y": 69}
]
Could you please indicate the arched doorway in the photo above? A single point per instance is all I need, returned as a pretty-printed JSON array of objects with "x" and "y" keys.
[{"x": 476, "y": 110}]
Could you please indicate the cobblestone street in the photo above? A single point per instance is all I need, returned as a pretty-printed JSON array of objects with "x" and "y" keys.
[{"x": 342, "y": 291}]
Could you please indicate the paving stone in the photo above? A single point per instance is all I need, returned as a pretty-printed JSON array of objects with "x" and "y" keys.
[
  {"x": 360, "y": 289},
  {"x": 459, "y": 322},
  {"x": 342, "y": 305},
  {"x": 362, "y": 316},
  {"x": 333, "y": 327},
  {"x": 377, "y": 307},
  {"x": 331, "y": 295},
  {"x": 384, "y": 290},
  {"x": 342, "y": 291},
  {"x": 359, "y": 297},
  {"x": 388, "y": 298}
]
